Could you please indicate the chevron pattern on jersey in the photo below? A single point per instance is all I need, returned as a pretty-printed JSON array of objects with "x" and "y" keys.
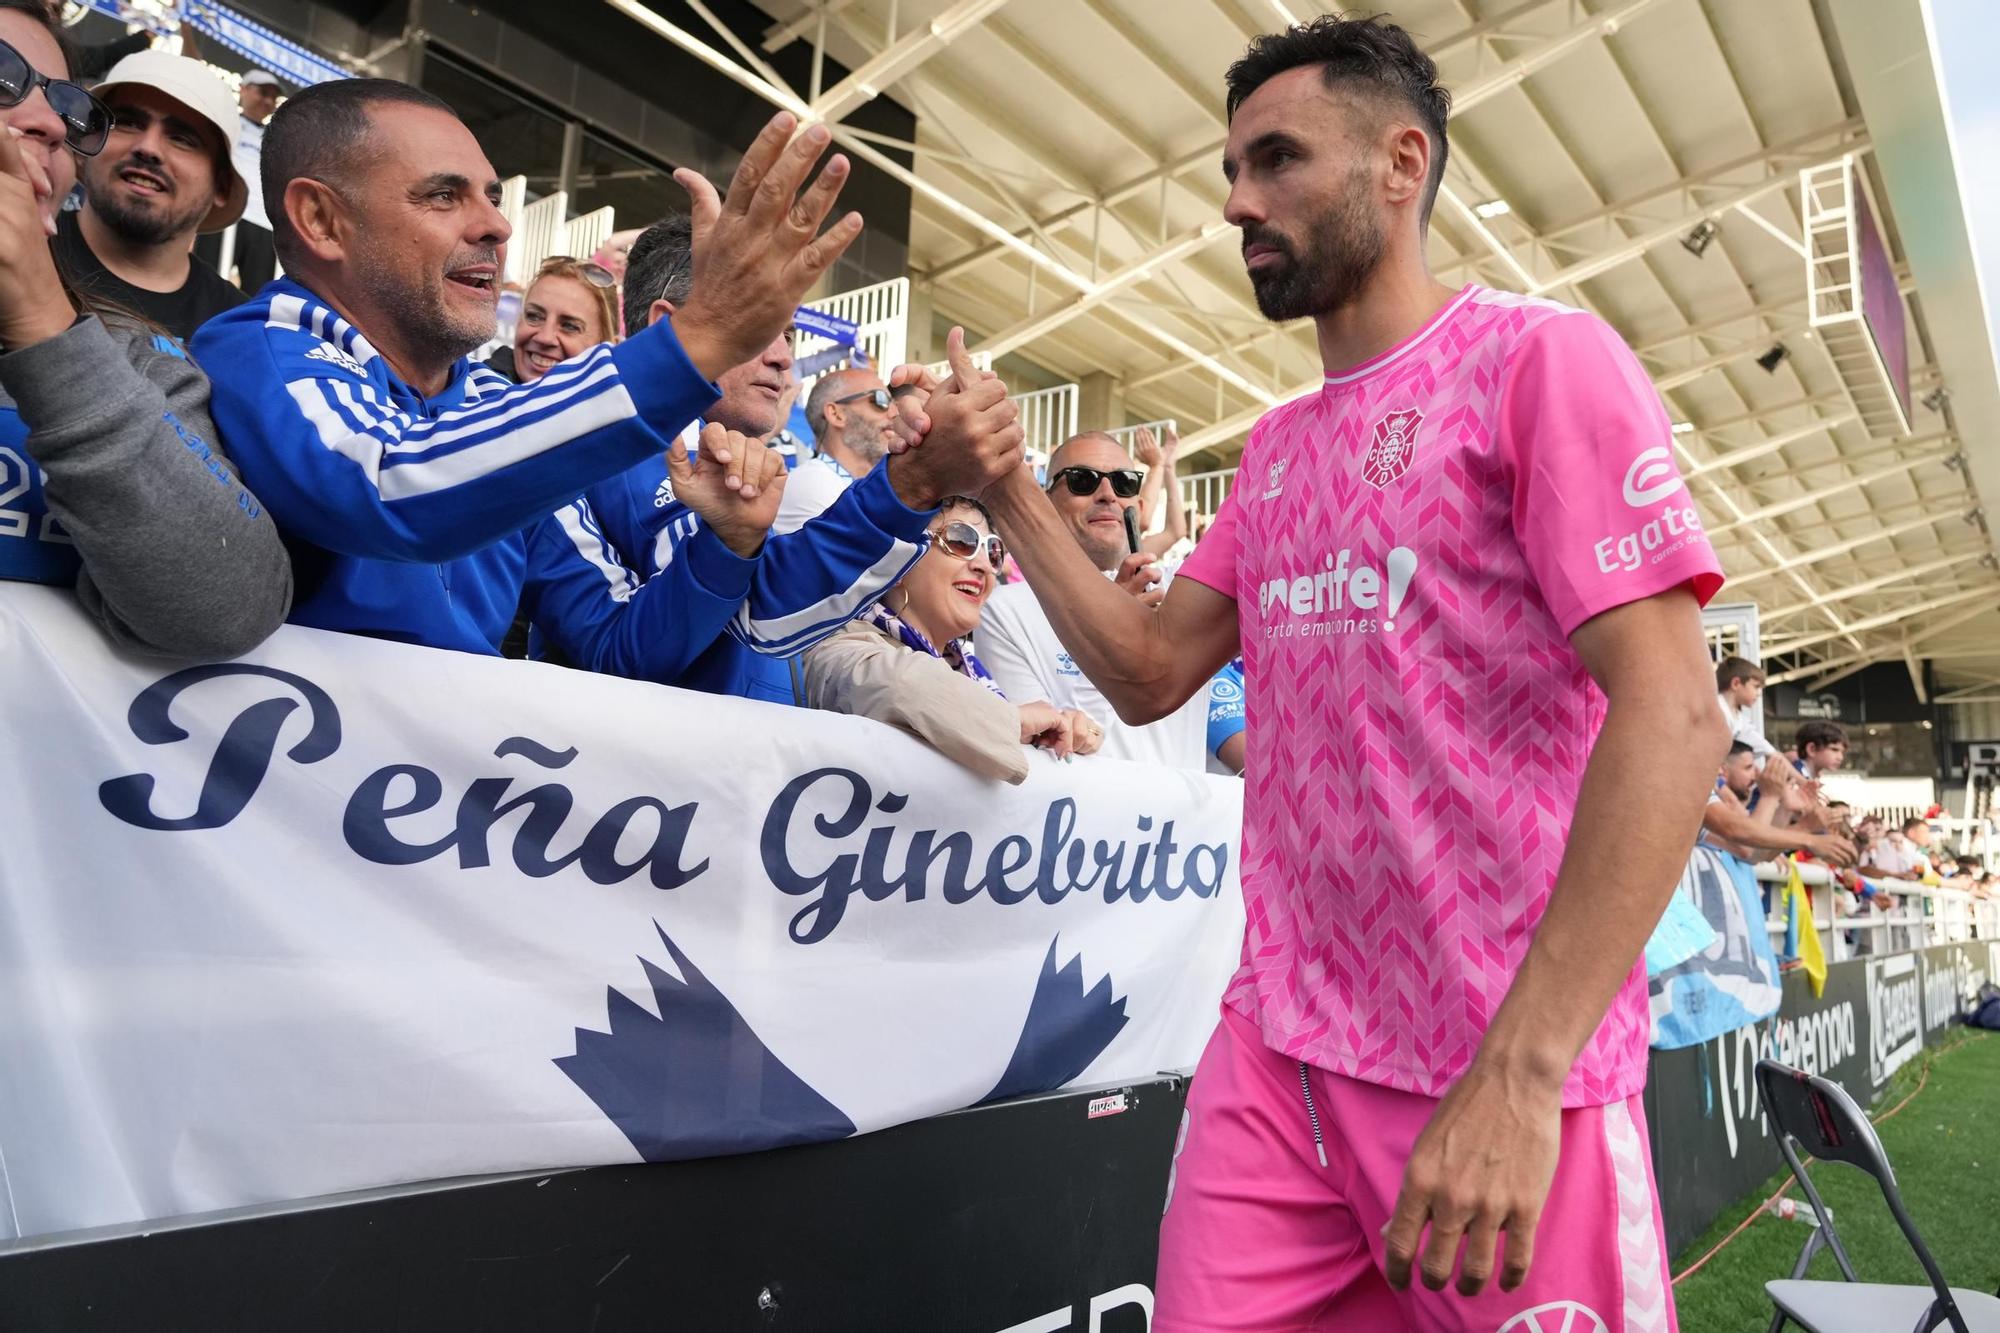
[
  {"x": 1419, "y": 722},
  {"x": 1639, "y": 1256}
]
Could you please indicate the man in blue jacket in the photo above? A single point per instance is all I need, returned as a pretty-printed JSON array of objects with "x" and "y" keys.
[
  {"x": 812, "y": 580},
  {"x": 423, "y": 496}
]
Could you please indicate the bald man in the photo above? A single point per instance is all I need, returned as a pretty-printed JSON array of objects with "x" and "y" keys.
[
  {"x": 853, "y": 423},
  {"x": 1092, "y": 482}
]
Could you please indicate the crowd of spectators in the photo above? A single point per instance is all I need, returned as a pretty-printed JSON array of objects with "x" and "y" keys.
[
  {"x": 1769, "y": 802},
  {"x": 614, "y": 490},
  {"x": 355, "y": 470}
]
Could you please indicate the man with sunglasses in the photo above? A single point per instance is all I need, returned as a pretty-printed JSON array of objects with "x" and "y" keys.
[
  {"x": 165, "y": 173},
  {"x": 428, "y": 500},
  {"x": 854, "y": 424},
  {"x": 1092, "y": 483},
  {"x": 812, "y": 580}
]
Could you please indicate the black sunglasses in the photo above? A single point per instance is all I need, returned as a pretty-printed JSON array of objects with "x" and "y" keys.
[
  {"x": 86, "y": 121},
  {"x": 879, "y": 397},
  {"x": 961, "y": 539},
  {"x": 1084, "y": 480}
]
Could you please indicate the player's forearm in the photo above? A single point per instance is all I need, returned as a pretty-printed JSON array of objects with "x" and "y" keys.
[
  {"x": 1616, "y": 876},
  {"x": 1115, "y": 640}
]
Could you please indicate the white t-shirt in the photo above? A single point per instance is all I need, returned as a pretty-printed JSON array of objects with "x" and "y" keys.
[
  {"x": 1019, "y": 646},
  {"x": 1896, "y": 860},
  {"x": 249, "y": 158},
  {"x": 810, "y": 491},
  {"x": 1743, "y": 727}
]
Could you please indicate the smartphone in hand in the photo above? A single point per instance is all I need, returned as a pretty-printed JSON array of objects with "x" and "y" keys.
[{"x": 1131, "y": 527}]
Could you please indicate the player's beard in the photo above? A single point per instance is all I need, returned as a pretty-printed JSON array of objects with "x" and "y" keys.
[{"x": 1341, "y": 252}]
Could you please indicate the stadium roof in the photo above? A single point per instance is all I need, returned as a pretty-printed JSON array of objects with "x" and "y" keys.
[{"x": 1068, "y": 209}]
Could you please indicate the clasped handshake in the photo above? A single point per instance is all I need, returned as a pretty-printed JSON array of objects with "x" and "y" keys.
[{"x": 756, "y": 253}]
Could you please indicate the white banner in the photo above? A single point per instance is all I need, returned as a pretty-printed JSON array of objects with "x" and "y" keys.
[{"x": 344, "y": 913}]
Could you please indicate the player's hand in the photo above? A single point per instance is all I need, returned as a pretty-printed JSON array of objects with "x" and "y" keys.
[
  {"x": 756, "y": 253},
  {"x": 975, "y": 436},
  {"x": 735, "y": 483},
  {"x": 1482, "y": 1166}
]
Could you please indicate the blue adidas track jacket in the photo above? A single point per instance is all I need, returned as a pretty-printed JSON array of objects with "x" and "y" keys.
[
  {"x": 808, "y": 583},
  {"x": 431, "y": 519}
]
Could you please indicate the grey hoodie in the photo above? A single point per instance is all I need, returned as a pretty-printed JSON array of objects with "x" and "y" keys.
[{"x": 179, "y": 560}]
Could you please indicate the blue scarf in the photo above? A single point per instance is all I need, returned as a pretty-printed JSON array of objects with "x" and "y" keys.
[{"x": 956, "y": 655}]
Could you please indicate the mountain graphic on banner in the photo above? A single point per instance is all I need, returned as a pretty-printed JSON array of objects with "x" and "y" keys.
[
  {"x": 1067, "y": 1028},
  {"x": 696, "y": 1081}
]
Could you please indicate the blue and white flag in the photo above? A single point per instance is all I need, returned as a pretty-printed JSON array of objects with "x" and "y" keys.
[
  {"x": 344, "y": 913},
  {"x": 1732, "y": 978}
]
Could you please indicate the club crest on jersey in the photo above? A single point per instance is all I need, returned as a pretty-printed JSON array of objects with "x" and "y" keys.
[{"x": 1389, "y": 451}]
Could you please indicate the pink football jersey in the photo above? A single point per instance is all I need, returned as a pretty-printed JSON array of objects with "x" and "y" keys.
[{"x": 1409, "y": 550}]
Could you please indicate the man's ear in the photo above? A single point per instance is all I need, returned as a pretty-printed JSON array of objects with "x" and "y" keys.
[
  {"x": 318, "y": 218},
  {"x": 659, "y": 310}
]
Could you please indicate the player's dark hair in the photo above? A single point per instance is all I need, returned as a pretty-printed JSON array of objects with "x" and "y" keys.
[
  {"x": 1368, "y": 55},
  {"x": 1819, "y": 733}
]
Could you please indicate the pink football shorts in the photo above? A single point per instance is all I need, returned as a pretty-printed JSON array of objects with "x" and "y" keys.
[{"x": 1260, "y": 1236}]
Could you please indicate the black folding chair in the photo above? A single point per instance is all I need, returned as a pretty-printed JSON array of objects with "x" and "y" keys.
[{"x": 1810, "y": 1113}]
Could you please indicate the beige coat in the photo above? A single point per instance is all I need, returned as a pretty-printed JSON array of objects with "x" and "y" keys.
[{"x": 864, "y": 671}]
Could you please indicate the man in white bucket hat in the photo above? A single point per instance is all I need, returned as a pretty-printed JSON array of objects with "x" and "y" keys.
[{"x": 165, "y": 174}]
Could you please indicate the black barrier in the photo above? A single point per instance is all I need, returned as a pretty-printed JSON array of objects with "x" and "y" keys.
[
  {"x": 1711, "y": 1145},
  {"x": 1034, "y": 1216}
]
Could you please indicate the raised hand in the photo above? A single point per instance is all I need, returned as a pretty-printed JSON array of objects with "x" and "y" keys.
[
  {"x": 975, "y": 437},
  {"x": 32, "y": 305},
  {"x": 734, "y": 482},
  {"x": 1145, "y": 448},
  {"x": 759, "y": 251}
]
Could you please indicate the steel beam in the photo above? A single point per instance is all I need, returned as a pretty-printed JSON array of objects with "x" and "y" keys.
[{"x": 900, "y": 58}]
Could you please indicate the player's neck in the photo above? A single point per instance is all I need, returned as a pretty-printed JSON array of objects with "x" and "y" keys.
[{"x": 1399, "y": 299}]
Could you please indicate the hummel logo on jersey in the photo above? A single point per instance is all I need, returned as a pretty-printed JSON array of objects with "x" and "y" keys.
[
  {"x": 1389, "y": 452},
  {"x": 1274, "y": 482},
  {"x": 333, "y": 356},
  {"x": 663, "y": 494}
]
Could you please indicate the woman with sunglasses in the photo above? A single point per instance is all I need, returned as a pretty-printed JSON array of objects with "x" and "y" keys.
[
  {"x": 906, "y": 661},
  {"x": 111, "y": 477},
  {"x": 570, "y": 308}
]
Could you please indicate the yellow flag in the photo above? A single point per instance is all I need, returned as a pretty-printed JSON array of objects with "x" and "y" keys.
[{"x": 1811, "y": 956}]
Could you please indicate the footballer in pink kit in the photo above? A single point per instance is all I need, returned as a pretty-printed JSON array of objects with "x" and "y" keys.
[{"x": 1465, "y": 578}]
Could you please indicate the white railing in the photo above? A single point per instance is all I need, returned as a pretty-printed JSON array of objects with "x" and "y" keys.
[
  {"x": 545, "y": 228},
  {"x": 1048, "y": 417},
  {"x": 513, "y": 200},
  {"x": 587, "y": 232},
  {"x": 881, "y": 318},
  {"x": 1929, "y": 915},
  {"x": 1129, "y": 435},
  {"x": 1205, "y": 491}
]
